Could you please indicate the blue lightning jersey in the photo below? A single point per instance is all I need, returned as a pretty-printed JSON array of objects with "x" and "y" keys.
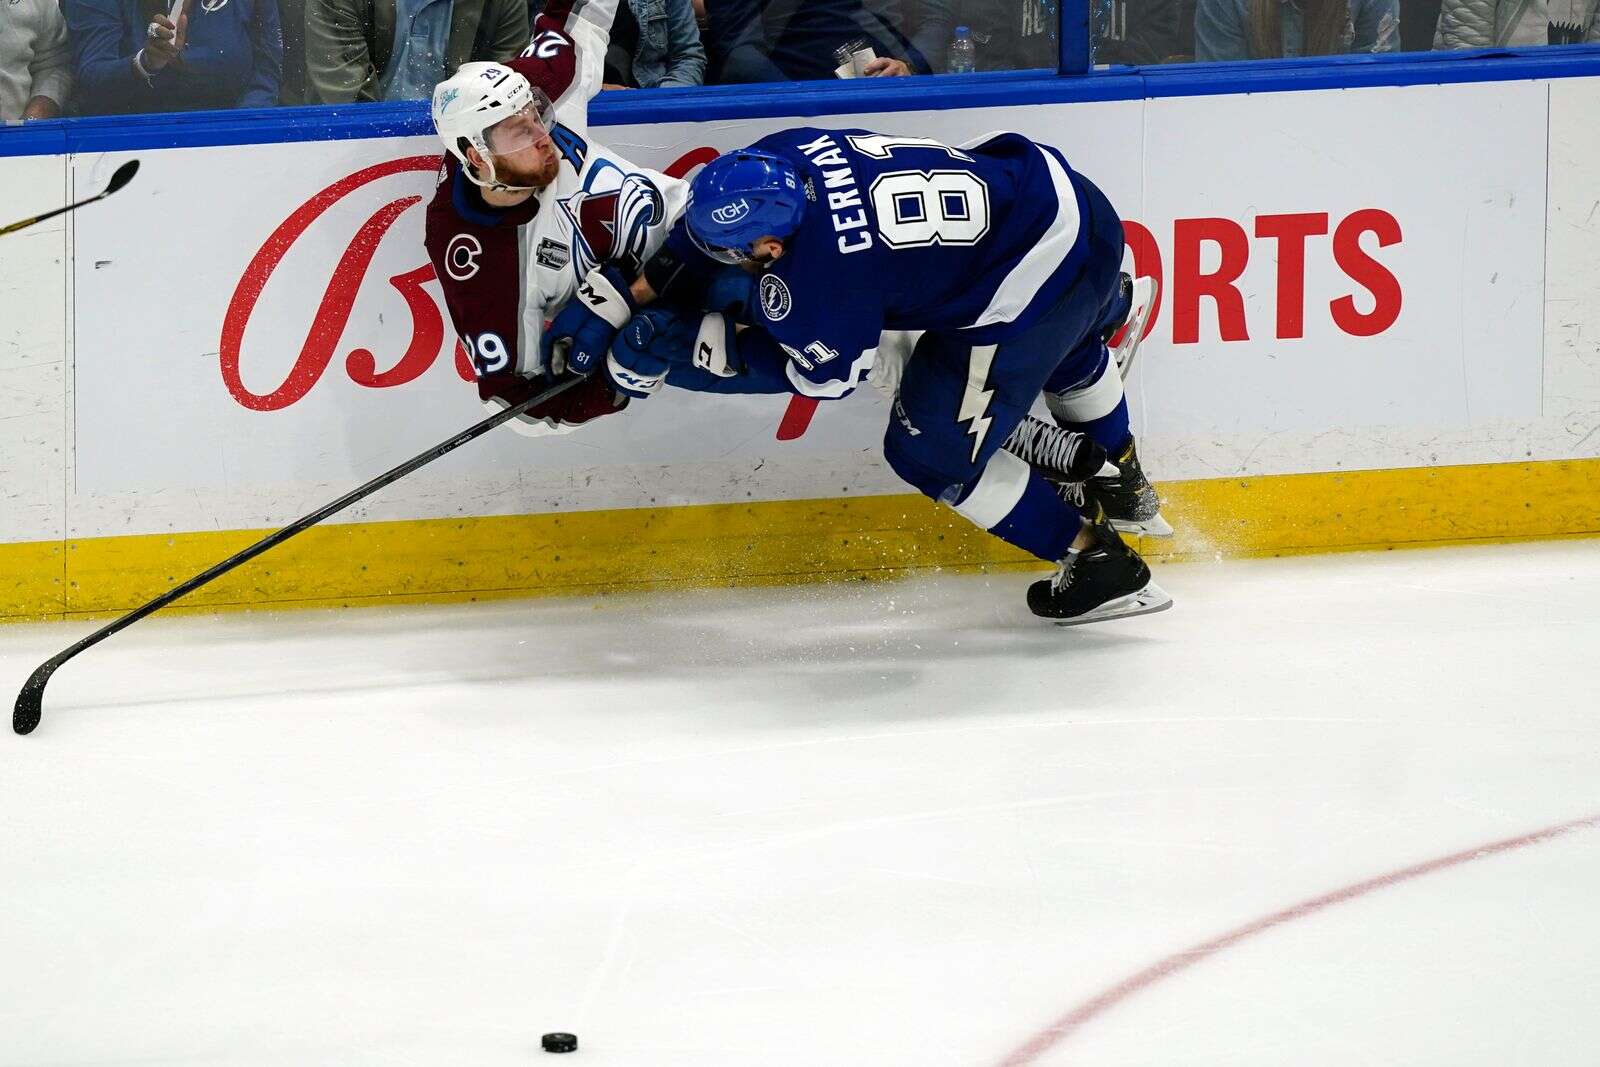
[{"x": 905, "y": 233}]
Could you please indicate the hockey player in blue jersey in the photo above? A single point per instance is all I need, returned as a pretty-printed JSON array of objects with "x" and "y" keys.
[{"x": 1004, "y": 266}]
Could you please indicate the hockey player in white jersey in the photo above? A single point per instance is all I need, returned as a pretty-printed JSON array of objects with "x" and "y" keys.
[{"x": 529, "y": 211}]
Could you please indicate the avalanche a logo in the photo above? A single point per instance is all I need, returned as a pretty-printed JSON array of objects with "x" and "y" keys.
[
  {"x": 728, "y": 214},
  {"x": 775, "y": 302},
  {"x": 611, "y": 219}
]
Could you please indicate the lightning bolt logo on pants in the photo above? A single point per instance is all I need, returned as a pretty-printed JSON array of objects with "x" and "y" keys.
[{"x": 975, "y": 401}]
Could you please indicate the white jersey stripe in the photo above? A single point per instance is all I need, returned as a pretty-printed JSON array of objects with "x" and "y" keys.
[
  {"x": 999, "y": 487},
  {"x": 1034, "y": 269},
  {"x": 832, "y": 390}
]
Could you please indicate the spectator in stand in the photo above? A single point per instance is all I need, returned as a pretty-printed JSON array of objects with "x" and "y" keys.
[
  {"x": 1013, "y": 34},
  {"x": 919, "y": 28},
  {"x": 1512, "y": 23},
  {"x": 669, "y": 52},
  {"x": 1137, "y": 32},
  {"x": 367, "y": 50},
  {"x": 292, "y": 13},
  {"x": 1418, "y": 21},
  {"x": 1273, "y": 29},
  {"x": 129, "y": 57},
  {"x": 795, "y": 40},
  {"x": 35, "y": 61},
  {"x": 655, "y": 44}
]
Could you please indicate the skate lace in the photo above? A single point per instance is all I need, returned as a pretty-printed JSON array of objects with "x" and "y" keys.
[
  {"x": 1072, "y": 493},
  {"x": 1063, "y": 575},
  {"x": 1043, "y": 445}
]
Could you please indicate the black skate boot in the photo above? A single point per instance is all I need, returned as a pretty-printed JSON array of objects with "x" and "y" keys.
[
  {"x": 1061, "y": 455},
  {"x": 1105, "y": 581},
  {"x": 1128, "y": 498}
]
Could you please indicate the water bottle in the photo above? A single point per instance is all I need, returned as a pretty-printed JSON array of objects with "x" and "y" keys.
[{"x": 962, "y": 58}]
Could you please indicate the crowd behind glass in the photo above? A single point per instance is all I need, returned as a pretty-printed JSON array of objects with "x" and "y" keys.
[{"x": 97, "y": 57}]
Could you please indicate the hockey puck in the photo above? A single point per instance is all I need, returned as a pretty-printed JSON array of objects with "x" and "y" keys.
[{"x": 559, "y": 1042}]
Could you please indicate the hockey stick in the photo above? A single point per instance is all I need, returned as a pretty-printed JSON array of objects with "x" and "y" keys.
[
  {"x": 30, "y": 701},
  {"x": 124, "y": 174}
]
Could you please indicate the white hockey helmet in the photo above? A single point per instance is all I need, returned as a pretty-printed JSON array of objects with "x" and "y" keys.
[{"x": 476, "y": 98}]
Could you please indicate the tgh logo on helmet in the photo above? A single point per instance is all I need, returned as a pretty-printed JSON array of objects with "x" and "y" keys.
[{"x": 728, "y": 214}]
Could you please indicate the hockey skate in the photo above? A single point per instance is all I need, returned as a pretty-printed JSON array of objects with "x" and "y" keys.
[
  {"x": 1127, "y": 497},
  {"x": 1142, "y": 294},
  {"x": 1062, "y": 456},
  {"x": 1106, "y": 581}
]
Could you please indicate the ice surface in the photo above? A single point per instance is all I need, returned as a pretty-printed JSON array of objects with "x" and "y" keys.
[{"x": 888, "y": 824}]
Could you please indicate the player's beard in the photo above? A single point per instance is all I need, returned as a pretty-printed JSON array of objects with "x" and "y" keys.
[{"x": 533, "y": 168}]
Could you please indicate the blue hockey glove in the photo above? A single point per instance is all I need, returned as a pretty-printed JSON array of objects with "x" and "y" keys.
[
  {"x": 694, "y": 351},
  {"x": 584, "y": 329},
  {"x": 654, "y": 339}
]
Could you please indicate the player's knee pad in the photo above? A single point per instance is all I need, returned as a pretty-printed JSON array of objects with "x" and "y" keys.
[
  {"x": 994, "y": 494},
  {"x": 1079, "y": 395},
  {"x": 910, "y": 459},
  {"x": 1006, "y": 498}
]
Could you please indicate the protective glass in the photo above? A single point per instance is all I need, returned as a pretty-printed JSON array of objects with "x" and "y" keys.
[
  {"x": 731, "y": 256},
  {"x": 524, "y": 129}
]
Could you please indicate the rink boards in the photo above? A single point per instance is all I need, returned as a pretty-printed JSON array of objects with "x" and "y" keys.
[{"x": 1373, "y": 331}]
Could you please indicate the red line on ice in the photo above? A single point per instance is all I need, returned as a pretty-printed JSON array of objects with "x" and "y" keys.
[{"x": 1068, "y": 1024}]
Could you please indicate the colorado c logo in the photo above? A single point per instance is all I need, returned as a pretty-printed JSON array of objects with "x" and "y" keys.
[
  {"x": 461, "y": 256},
  {"x": 775, "y": 300}
]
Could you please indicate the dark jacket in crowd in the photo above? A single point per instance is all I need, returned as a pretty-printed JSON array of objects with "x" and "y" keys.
[
  {"x": 656, "y": 44},
  {"x": 1137, "y": 32},
  {"x": 794, "y": 40},
  {"x": 233, "y": 58},
  {"x": 1014, "y": 34}
]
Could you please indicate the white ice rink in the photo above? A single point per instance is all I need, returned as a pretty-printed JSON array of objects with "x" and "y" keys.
[{"x": 892, "y": 825}]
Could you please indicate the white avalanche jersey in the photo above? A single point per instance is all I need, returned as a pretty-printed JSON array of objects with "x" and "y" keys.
[
  {"x": 505, "y": 272},
  {"x": 600, "y": 209}
]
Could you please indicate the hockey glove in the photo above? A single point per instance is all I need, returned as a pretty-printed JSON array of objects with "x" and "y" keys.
[
  {"x": 560, "y": 414},
  {"x": 688, "y": 350},
  {"x": 582, "y": 331},
  {"x": 644, "y": 351}
]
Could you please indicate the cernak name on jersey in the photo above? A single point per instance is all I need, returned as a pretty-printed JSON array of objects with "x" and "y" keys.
[{"x": 849, "y": 215}]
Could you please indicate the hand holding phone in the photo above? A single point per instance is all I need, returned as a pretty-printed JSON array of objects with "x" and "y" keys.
[{"x": 166, "y": 37}]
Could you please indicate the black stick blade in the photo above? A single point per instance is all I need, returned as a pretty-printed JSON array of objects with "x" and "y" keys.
[
  {"x": 123, "y": 176},
  {"x": 30, "y": 702}
]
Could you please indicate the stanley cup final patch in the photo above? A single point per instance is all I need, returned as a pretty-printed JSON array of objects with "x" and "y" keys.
[
  {"x": 775, "y": 300},
  {"x": 552, "y": 254}
]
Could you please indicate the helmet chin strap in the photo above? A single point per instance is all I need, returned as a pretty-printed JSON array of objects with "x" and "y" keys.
[{"x": 493, "y": 183}]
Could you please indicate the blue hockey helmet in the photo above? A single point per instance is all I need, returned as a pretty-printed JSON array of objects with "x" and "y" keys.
[{"x": 741, "y": 197}]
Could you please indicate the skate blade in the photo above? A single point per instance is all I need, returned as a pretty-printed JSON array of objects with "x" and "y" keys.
[
  {"x": 1147, "y": 601},
  {"x": 1154, "y": 526},
  {"x": 1145, "y": 292}
]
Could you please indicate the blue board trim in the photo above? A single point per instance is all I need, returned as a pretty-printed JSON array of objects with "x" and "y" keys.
[{"x": 818, "y": 99}]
